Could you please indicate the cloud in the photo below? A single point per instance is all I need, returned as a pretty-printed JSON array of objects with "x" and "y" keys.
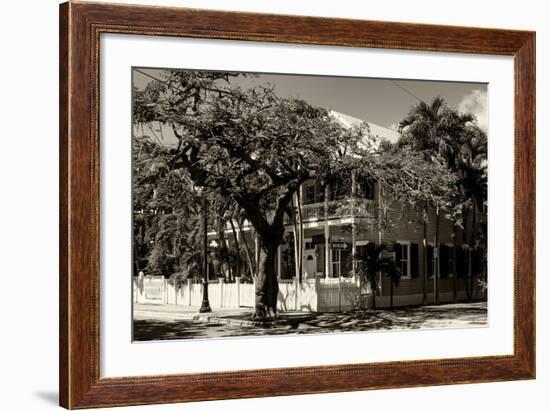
[{"x": 476, "y": 103}]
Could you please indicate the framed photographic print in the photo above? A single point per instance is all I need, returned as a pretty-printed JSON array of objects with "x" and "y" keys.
[{"x": 258, "y": 205}]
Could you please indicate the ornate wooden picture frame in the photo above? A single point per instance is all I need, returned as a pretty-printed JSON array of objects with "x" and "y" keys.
[{"x": 80, "y": 27}]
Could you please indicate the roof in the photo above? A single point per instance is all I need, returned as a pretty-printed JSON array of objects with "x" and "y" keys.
[{"x": 375, "y": 130}]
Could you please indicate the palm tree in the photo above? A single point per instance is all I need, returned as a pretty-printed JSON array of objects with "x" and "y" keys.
[
  {"x": 376, "y": 259},
  {"x": 437, "y": 131},
  {"x": 472, "y": 172}
]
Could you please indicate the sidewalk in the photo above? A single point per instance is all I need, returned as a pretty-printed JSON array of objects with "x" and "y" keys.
[
  {"x": 179, "y": 312},
  {"x": 440, "y": 316}
]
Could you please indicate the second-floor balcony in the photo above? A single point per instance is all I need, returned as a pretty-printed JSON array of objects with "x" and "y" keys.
[{"x": 344, "y": 208}]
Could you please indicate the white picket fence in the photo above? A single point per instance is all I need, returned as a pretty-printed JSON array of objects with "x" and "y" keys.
[{"x": 309, "y": 295}]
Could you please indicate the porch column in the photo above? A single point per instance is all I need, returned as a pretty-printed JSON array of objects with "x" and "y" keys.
[{"x": 327, "y": 250}]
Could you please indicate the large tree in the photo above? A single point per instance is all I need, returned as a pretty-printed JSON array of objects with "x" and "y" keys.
[{"x": 248, "y": 145}]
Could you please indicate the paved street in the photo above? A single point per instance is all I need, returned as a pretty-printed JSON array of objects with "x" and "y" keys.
[{"x": 175, "y": 322}]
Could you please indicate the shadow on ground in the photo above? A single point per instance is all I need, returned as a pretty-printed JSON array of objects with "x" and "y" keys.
[
  {"x": 146, "y": 330},
  {"x": 444, "y": 316}
]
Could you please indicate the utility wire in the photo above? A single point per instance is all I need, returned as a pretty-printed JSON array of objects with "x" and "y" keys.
[
  {"x": 405, "y": 90},
  {"x": 156, "y": 79}
]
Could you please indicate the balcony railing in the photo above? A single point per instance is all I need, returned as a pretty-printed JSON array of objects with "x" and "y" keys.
[
  {"x": 337, "y": 209},
  {"x": 343, "y": 208}
]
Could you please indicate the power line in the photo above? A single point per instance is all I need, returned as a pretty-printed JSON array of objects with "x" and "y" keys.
[
  {"x": 156, "y": 79},
  {"x": 405, "y": 90}
]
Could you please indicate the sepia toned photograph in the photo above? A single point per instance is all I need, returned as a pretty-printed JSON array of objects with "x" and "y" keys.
[{"x": 283, "y": 204}]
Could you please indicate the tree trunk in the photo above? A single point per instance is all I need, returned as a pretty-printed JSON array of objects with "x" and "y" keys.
[
  {"x": 237, "y": 247},
  {"x": 454, "y": 265},
  {"x": 380, "y": 211},
  {"x": 267, "y": 286},
  {"x": 437, "y": 251},
  {"x": 223, "y": 252},
  {"x": 301, "y": 249},
  {"x": 391, "y": 293},
  {"x": 297, "y": 239},
  {"x": 425, "y": 273},
  {"x": 466, "y": 255},
  {"x": 472, "y": 243},
  {"x": 135, "y": 258},
  {"x": 373, "y": 296}
]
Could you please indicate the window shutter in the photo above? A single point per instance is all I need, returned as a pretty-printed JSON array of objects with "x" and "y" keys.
[
  {"x": 460, "y": 261},
  {"x": 444, "y": 263},
  {"x": 414, "y": 260}
]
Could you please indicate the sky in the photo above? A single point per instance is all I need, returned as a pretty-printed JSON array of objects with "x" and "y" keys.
[{"x": 381, "y": 101}]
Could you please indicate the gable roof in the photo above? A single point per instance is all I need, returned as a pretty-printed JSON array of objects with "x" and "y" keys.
[{"x": 376, "y": 130}]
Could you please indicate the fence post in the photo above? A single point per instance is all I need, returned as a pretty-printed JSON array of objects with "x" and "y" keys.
[
  {"x": 221, "y": 291},
  {"x": 317, "y": 292},
  {"x": 238, "y": 287}
]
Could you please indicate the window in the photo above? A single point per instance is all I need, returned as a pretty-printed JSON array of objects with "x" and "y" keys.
[
  {"x": 447, "y": 268},
  {"x": 402, "y": 258},
  {"x": 366, "y": 187},
  {"x": 360, "y": 254},
  {"x": 308, "y": 245},
  {"x": 336, "y": 263},
  {"x": 310, "y": 195}
]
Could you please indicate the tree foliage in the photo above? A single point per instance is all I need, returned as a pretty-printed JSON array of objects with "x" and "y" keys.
[{"x": 246, "y": 145}]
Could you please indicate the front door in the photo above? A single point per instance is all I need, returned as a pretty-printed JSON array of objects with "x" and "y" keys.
[{"x": 310, "y": 263}]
